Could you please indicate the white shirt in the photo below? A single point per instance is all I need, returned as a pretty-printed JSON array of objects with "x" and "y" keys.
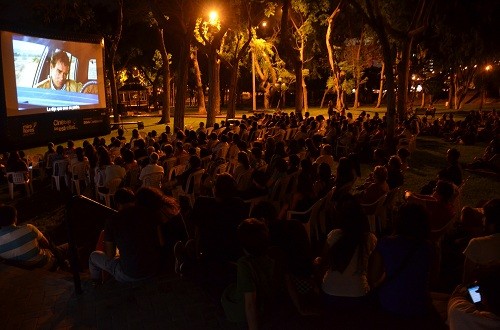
[
  {"x": 352, "y": 282},
  {"x": 464, "y": 315},
  {"x": 150, "y": 168},
  {"x": 484, "y": 250}
]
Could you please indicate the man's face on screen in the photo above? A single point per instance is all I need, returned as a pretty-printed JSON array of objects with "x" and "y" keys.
[{"x": 59, "y": 74}]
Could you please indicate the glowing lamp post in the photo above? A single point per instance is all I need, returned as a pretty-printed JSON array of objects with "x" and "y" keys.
[{"x": 487, "y": 69}]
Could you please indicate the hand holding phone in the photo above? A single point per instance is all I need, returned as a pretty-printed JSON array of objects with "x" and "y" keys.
[{"x": 474, "y": 293}]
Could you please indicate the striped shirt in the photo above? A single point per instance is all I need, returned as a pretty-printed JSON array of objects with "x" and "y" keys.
[{"x": 20, "y": 243}]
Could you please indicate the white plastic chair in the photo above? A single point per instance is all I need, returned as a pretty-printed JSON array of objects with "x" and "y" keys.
[
  {"x": 59, "y": 170},
  {"x": 174, "y": 171},
  {"x": 194, "y": 180},
  {"x": 79, "y": 172},
  {"x": 314, "y": 226},
  {"x": 375, "y": 211},
  {"x": 152, "y": 180},
  {"x": 36, "y": 166},
  {"x": 19, "y": 178},
  {"x": 112, "y": 187}
]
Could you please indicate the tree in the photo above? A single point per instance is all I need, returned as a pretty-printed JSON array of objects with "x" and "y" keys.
[
  {"x": 337, "y": 76},
  {"x": 373, "y": 17},
  {"x": 200, "y": 93},
  {"x": 238, "y": 40},
  {"x": 461, "y": 43},
  {"x": 179, "y": 17},
  {"x": 358, "y": 54},
  {"x": 289, "y": 54},
  {"x": 209, "y": 38},
  {"x": 165, "y": 117},
  {"x": 296, "y": 44},
  {"x": 266, "y": 68}
]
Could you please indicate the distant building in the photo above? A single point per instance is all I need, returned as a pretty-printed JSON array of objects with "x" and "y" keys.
[{"x": 133, "y": 97}]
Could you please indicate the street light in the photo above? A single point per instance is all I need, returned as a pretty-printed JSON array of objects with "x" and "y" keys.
[
  {"x": 213, "y": 16},
  {"x": 487, "y": 69}
]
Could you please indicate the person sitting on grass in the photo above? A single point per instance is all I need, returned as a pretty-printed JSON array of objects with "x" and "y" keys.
[
  {"x": 345, "y": 258},
  {"x": 490, "y": 160},
  {"x": 400, "y": 265},
  {"x": 25, "y": 245},
  {"x": 484, "y": 251},
  {"x": 135, "y": 232},
  {"x": 252, "y": 295},
  {"x": 464, "y": 314}
]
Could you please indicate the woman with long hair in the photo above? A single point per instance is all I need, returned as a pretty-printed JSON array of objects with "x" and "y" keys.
[{"x": 346, "y": 256}]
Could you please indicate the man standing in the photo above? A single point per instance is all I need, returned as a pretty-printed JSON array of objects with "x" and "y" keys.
[{"x": 58, "y": 78}]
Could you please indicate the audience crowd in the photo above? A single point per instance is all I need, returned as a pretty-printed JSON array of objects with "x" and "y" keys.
[{"x": 271, "y": 208}]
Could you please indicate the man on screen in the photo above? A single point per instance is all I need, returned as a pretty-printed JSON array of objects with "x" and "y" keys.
[{"x": 58, "y": 78}]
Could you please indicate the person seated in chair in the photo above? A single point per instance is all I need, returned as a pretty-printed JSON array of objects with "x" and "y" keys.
[
  {"x": 379, "y": 187},
  {"x": 152, "y": 167},
  {"x": 16, "y": 164}
]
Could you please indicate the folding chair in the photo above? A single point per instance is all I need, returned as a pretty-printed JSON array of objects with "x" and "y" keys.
[
  {"x": 79, "y": 173},
  {"x": 194, "y": 181},
  {"x": 19, "y": 178},
  {"x": 111, "y": 190},
  {"x": 374, "y": 212},
  {"x": 59, "y": 170},
  {"x": 153, "y": 180}
]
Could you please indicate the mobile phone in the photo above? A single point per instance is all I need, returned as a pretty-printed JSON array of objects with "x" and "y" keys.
[{"x": 474, "y": 293}]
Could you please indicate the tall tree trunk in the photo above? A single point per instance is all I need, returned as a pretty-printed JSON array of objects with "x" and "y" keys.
[
  {"x": 324, "y": 97},
  {"x": 114, "y": 93},
  {"x": 387, "y": 53},
  {"x": 357, "y": 69},
  {"x": 111, "y": 62},
  {"x": 267, "y": 96},
  {"x": 303, "y": 80},
  {"x": 155, "y": 95},
  {"x": 182, "y": 80},
  {"x": 200, "y": 94},
  {"x": 304, "y": 94},
  {"x": 264, "y": 77},
  {"x": 233, "y": 86},
  {"x": 451, "y": 92},
  {"x": 217, "y": 95},
  {"x": 291, "y": 56},
  {"x": 214, "y": 88},
  {"x": 403, "y": 78},
  {"x": 381, "y": 87},
  {"x": 165, "y": 113},
  {"x": 299, "y": 94},
  {"x": 335, "y": 69}
]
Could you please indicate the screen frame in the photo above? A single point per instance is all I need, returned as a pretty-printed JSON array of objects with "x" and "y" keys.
[
  {"x": 49, "y": 98},
  {"x": 35, "y": 130}
]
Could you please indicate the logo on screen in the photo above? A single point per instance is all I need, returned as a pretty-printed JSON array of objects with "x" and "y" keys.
[{"x": 29, "y": 128}]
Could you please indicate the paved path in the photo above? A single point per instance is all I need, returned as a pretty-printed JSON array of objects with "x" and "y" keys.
[{"x": 39, "y": 299}]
